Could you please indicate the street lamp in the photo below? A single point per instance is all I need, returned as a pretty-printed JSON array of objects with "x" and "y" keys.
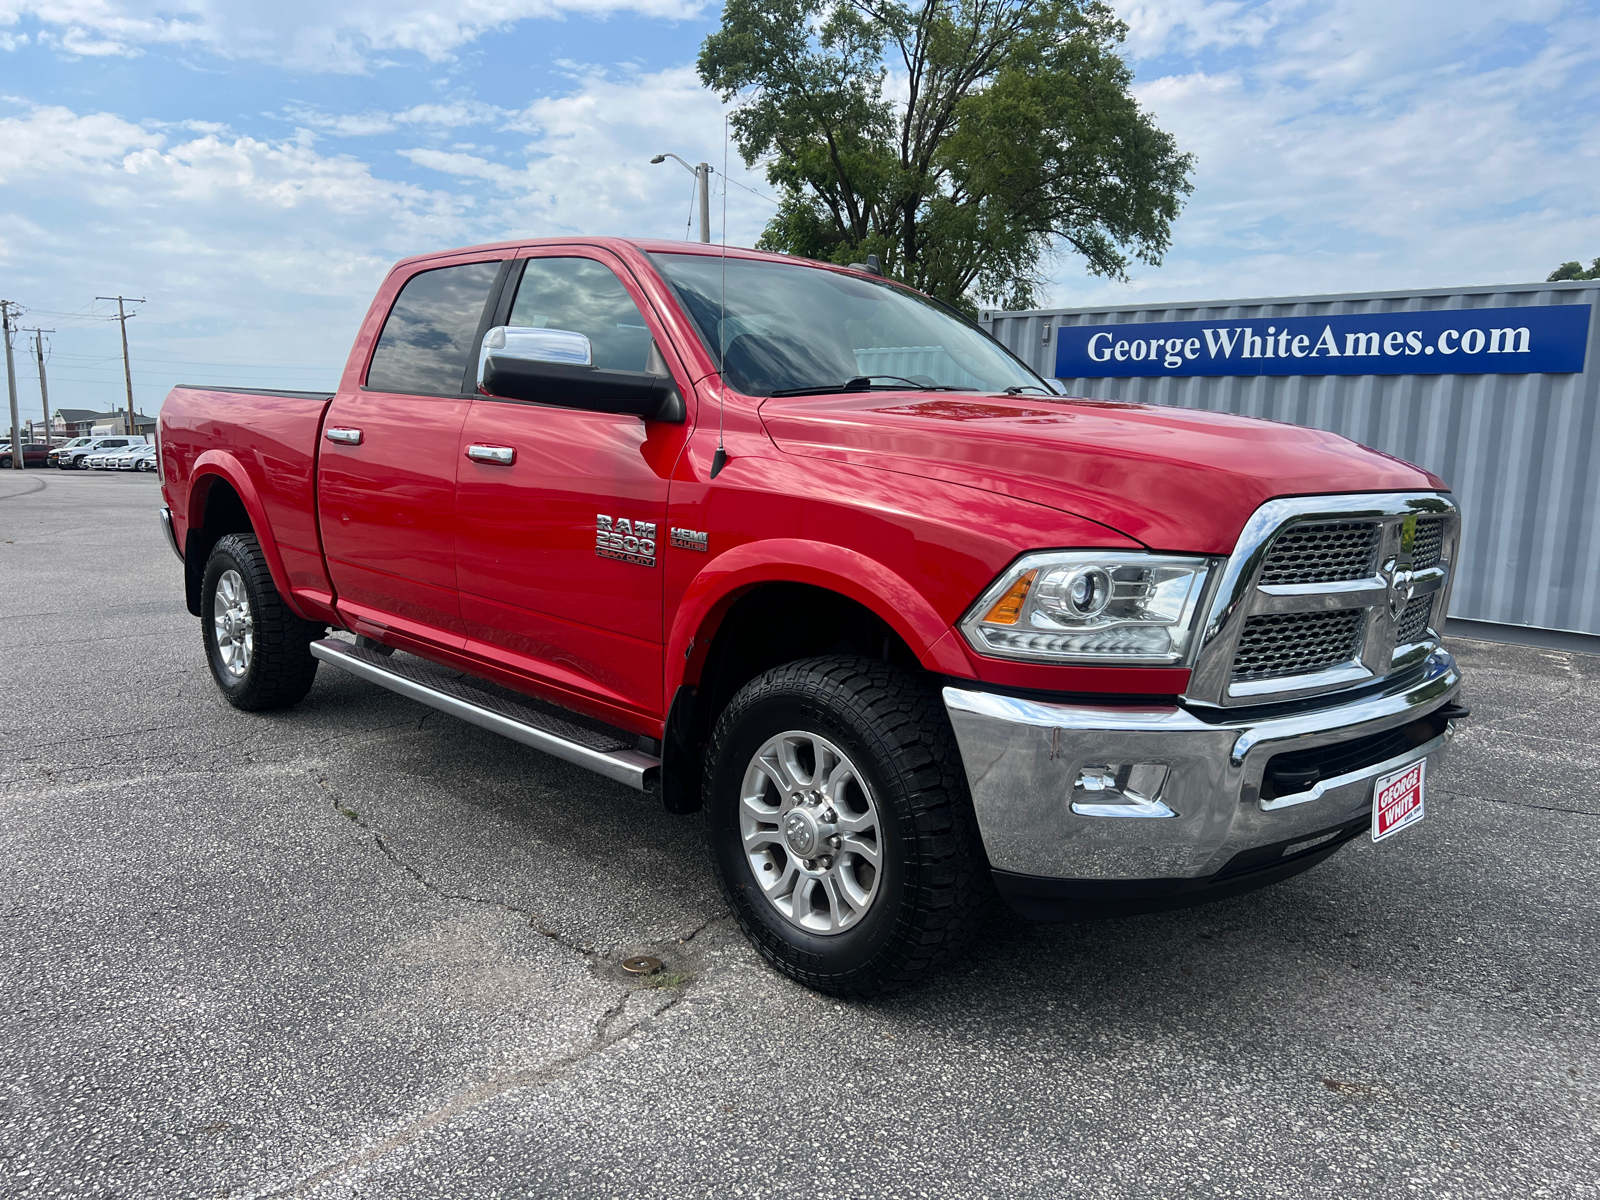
[{"x": 702, "y": 175}]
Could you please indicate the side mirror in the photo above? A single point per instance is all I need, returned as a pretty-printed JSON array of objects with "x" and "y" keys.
[{"x": 555, "y": 366}]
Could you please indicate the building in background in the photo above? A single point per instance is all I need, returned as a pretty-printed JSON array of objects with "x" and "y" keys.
[
  {"x": 80, "y": 422},
  {"x": 1494, "y": 389}
]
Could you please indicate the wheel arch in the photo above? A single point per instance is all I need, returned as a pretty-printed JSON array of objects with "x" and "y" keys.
[
  {"x": 766, "y": 603},
  {"x": 223, "y": 500}
]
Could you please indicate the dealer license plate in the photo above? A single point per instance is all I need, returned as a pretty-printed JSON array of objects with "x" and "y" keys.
[{"x": 1397, "y": 800}]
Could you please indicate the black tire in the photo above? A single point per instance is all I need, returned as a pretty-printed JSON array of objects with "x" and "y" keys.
[
  {"x": 934, "y": 881},
  {"x": 279, "y": 669}
]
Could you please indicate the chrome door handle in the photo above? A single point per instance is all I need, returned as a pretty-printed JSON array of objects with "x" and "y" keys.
[
  {"x": 345, "y": 437},
  {"x": 504, "y": 455}
]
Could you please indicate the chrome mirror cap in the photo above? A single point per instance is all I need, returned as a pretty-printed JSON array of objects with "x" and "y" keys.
[{"x": 529, "y": 344}]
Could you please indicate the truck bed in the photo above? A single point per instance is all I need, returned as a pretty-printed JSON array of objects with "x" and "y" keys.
[{"x": 267, "y": 440}]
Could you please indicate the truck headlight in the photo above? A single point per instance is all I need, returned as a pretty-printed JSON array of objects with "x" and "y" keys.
[{"x": 1092, "y": 607}]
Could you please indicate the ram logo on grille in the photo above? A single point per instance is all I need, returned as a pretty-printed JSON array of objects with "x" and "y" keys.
[{"x": 1344, "y": 590}]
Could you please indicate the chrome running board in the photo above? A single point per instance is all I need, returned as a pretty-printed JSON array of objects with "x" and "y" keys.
[{"x": 498, "y": 711}]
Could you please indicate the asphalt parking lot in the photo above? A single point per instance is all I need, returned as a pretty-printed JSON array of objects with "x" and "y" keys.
[{"x": 362, "y": 949}]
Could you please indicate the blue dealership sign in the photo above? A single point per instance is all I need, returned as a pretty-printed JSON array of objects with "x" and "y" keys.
[{"x": 1548, "y": 339}]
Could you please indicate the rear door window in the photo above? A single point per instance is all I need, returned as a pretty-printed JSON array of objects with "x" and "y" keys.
[{"x": 428, "y": 337}]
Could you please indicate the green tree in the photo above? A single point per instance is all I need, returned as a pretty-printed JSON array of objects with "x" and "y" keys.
[
  {"x": 1574, "y": 270},
  {"x": 965, "y": 142}
]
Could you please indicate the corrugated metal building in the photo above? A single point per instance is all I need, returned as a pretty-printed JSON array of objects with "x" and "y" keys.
[{"x": 1520, "y": 450}]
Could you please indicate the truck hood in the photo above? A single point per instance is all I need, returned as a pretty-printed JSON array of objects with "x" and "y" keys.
[{"x": 1172, "y": 478}]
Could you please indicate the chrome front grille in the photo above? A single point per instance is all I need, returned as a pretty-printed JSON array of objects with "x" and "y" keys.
[
  {"x": 1428, "y": 545},
  {"x": 1297, "y": 643},
  {"x": 1322, "y": 552},
  {"x": 1413, "y": 622},
  {"x": 1324, "y": 593}
]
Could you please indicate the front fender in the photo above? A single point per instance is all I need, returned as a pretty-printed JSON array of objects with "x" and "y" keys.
[
  {"x": 820, "y": 564},
  {"x": 219, "y": 464}
]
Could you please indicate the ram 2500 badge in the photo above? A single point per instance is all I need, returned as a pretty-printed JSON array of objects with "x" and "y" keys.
[{"x": 800, "y": 547}]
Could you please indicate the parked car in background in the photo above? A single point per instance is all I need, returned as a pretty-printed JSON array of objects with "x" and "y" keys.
[
  {"x": 76, "y": 443},
  {"x": 112, "y": 460},
  {"x": 34, "y": 454},
  {"x": 77, "y": 459},
  {"x": 142, "y": 459}
]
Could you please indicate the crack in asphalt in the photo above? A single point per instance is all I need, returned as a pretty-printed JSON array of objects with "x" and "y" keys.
[
  {"x": 496, "y": 1085},
  {"x": 472, "y": 1097},
  {"x": 586, "y": 949},
  {"x": 1576, "y": 812}
]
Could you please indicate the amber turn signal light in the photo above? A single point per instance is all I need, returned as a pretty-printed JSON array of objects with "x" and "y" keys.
[{"x": 1008, "y": 608}]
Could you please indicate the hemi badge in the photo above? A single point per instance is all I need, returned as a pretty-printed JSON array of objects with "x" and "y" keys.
[{"x": 690, "y": 539}]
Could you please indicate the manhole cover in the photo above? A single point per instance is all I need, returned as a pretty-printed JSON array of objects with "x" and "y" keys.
[{"x": 641, "y": 964}]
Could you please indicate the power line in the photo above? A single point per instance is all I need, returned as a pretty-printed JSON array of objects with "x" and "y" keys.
[{"x": 753, "y": 192}]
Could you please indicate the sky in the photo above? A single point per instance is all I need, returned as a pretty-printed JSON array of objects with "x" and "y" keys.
[{"x": 251, "y": 170}]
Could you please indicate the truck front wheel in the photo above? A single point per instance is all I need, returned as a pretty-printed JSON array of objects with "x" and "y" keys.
[
  {"x": 841, "y": 827},
  {"x": 259, "y": 651}
]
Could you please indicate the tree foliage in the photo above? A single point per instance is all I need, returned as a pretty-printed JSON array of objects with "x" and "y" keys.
[
  {"x": 1574, "y": 270},
  {"x": 965, "y": 142}
]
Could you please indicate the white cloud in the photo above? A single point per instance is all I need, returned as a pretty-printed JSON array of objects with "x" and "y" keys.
[
  {"x": 305, "y": 34},
  {"x": 1360, "y": 145},
  {"x": 267, "y": 250},
  {"x": 248, "y": 249},
  {"x": 585, "y": 165},
  {"x": 452, "y": 115}
]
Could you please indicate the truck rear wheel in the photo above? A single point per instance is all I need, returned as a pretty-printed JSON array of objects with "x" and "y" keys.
[
  {"x": 841, "y": 827},
  {"x": 259, "y": 651}
]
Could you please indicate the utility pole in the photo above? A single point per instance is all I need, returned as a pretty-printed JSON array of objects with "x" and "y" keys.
[
  {"x": 44, "y": 389},
  {"x": 702, "y": 176},
  {"x": 127, "y": 371},
  {"x": 11, "y": 383}
]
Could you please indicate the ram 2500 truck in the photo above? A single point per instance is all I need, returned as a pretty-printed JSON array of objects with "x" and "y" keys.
[{"x": 800, "y": 547}]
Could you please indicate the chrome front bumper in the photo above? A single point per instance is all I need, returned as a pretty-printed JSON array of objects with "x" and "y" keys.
[{"x": 1069, "y": 791}]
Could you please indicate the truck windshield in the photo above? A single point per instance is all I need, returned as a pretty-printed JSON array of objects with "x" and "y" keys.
[{"x": 796, "y": 328}]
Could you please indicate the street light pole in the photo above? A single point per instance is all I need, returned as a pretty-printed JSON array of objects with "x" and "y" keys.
[
  {"x": 702, "y": 177},
  {"x": 704, "y": 172}
]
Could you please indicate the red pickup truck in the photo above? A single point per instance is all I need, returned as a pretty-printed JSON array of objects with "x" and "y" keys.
[{"x": 803, "y": 548}]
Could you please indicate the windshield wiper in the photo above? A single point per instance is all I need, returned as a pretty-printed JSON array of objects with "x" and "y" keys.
[
  {"x": 863, "y": 383},
  {"x": 1017, "y": 390}
]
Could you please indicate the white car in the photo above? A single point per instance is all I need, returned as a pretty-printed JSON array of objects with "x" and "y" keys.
[
  {"x": 143, "y": 458},
  {"x": 59, "y": 452},
  {"x": 109, "y": 460},
  {"x": 78, "y": 457}
]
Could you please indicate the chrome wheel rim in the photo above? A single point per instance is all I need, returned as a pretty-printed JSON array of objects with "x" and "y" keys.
[
  {"x": 811, "y": 833},
  {"x": 233, "y": 624}
]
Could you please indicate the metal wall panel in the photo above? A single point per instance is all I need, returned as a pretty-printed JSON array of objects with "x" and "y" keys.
[{"x": 1521, "y": 452}]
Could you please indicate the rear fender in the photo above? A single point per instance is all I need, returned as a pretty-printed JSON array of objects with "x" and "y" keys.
[{"x": 210, "y": 467}]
